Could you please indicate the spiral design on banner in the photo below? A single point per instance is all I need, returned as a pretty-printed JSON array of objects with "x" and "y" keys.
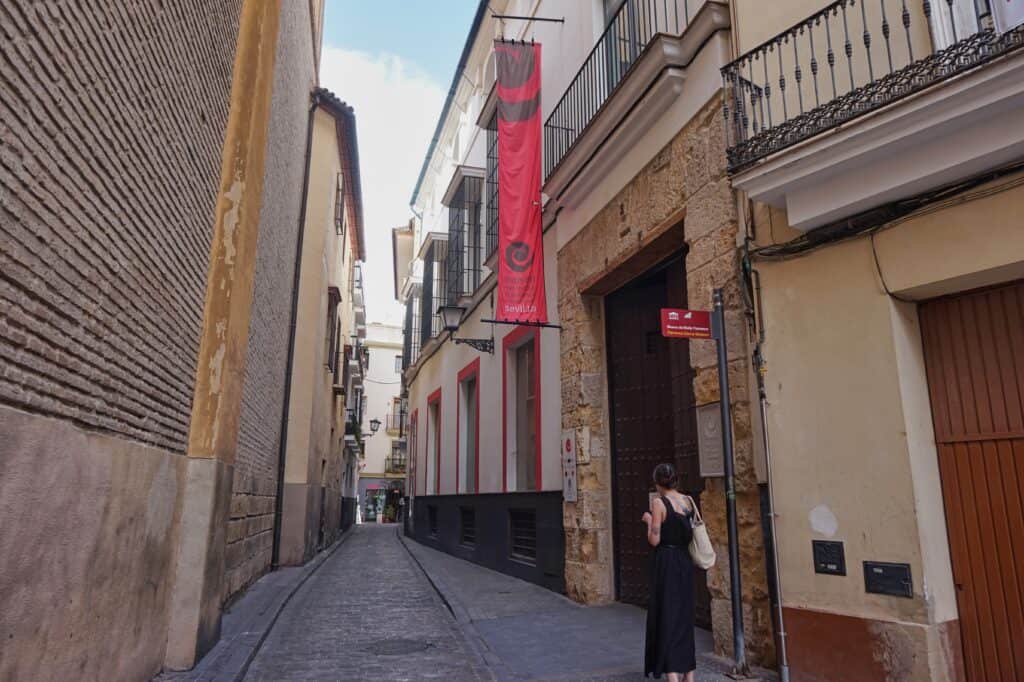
[{"x": 519, "y": 256}]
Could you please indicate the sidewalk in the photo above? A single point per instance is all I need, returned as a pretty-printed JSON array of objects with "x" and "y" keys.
[
  {"x": 247, "y": 622},
  {"x": 527, "y": 632}
]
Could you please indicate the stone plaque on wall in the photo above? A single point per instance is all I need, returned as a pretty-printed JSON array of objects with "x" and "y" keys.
[
  {"x": 709, "y": 440},
  {"x": 569, "y": 465}
]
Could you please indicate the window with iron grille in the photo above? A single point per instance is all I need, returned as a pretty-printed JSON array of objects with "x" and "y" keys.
[
  {"x": 355, "y": 281},
  {"x": 467, "y": 526},
  {"x": 414, "y": 346},
  {"x": 433, "y": 291},
  {"x": 465, "y": 250},
  {"x": 410, "y": 336},
  {"x": 338, "y": 356},
  {"x": 492, "y": 186},
  {"x": 432, "y": 520},
  {"x": 333, "y": 329},
  {"x": 339, "y": 207},
  {"x": 523, "y": 528}
]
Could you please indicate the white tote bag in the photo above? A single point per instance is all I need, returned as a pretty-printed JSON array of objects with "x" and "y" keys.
[{"x": 701, "y": 551}]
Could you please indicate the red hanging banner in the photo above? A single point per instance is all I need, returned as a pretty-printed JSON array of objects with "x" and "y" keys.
[{"x": 521, "y": 296}]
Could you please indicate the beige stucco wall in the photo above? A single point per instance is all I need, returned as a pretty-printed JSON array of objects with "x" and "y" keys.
[
  {"x": 314, "y": 461},
  {"x": 310, "y": 377},
  {"x": 87, "y": 546},
  {"x": 850, "y": 419}
]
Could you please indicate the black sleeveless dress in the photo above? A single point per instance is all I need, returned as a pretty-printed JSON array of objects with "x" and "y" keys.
[{"x": 670, "y": 647}]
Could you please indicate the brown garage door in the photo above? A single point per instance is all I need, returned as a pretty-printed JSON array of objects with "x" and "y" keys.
[{"x": 974, "y": 351}]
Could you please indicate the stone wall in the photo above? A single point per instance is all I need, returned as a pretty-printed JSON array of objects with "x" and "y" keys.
[{"x": 686, "y": 180}]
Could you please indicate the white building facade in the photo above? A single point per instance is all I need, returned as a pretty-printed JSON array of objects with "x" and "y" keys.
[{"x": 383, "y": 465}]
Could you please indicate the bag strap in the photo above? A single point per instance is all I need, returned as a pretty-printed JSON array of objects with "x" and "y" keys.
[{"x": 696, "y": 512}]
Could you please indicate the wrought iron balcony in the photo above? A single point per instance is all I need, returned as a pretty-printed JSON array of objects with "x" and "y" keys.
[
  {"x": 851, "y": 58},
  {"x": 393, "y": 423},
  {"x": 629, "y": 32},
  {"x": 396, "y": 462}
]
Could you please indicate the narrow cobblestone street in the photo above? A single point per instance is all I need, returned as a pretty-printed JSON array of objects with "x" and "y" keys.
[
  {"x": 383, "y": 607},
  {"x": 368, "y": 613}
]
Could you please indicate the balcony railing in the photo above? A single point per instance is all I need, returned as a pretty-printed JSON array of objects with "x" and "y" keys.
[
  {"x": 630, "y": 30},
  {"x": 396, "y": 462},
  {"x": 393, "y": 422},
  {"x": 851, "y": 58}
]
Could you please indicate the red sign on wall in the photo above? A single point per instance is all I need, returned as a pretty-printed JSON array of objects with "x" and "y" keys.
[{"x": 677, "y": 323}]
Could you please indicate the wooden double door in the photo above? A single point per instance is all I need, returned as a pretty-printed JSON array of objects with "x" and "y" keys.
[
  {"x": 653, "y": 419},
  {"x": 974, "y": 356}
]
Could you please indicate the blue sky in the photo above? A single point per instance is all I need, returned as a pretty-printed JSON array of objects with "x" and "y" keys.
[
  {"x": 393, "y": 62},
  {"x": 428, "y": 33}
]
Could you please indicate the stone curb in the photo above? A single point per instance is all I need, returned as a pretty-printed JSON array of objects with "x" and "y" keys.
[
  {"x": 723, "y": 665},
  {"x": 230, "y": 658}
]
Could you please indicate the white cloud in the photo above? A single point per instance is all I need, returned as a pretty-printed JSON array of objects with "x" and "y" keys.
[{"x": 396, "y": 107}]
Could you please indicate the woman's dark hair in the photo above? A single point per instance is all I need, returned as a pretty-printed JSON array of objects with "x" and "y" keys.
[{"x": 665, "y": 475}]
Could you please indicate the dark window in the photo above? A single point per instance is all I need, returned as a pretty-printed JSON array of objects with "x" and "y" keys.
[
  {"x": 523, "y": 528},
  {"x": 465, "y": 250},
  {"x": 339, "y": 207},
  {"x": 434, "y": 278},
  {"x": 467, "y": 528},
  {"x": 333, "y": 329},
  {"x": 492, "y": 186},
  {"x": 411, "y": 340},
  {"x": 432, "y": 520},
  {"x": 337, "y": 355}
]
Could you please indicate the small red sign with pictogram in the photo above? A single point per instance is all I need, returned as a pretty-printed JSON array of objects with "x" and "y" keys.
[{"x": 678, "y": 323}]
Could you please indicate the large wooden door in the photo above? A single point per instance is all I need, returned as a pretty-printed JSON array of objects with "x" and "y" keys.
[
  {"x": 974, "y": 352},
  {"x": 653, "y": 420}
]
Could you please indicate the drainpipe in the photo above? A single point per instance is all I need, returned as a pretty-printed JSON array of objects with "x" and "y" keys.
[
  {"x": 283, "y": 447},
  {"x": 760, "y": 370}
]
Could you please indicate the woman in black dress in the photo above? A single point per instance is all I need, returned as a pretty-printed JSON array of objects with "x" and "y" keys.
[{"x": 670, "y": 646}]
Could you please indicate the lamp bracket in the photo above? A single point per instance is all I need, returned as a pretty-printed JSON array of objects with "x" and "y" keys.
[{"x": 482, "y": 345}]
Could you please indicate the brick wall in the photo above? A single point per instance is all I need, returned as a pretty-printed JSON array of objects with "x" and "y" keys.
[
  {"x": 250, "y": 534},
  {"x": 111, "y": 124}
]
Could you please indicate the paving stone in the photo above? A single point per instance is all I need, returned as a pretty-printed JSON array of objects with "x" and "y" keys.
[
  {"x": 368, "y": 613},
  {"x": 530, "y": 633}
]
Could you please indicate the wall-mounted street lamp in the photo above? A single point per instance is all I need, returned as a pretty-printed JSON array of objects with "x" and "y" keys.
[
  {"x": 451, "y": 318},
  {"x": 374, "y": 425}
]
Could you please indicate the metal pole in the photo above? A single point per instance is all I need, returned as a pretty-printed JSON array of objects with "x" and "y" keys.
[{"x": 736, "y": 592}]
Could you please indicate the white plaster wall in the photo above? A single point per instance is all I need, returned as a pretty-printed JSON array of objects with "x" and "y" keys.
[
  {"x": 564, "y": 46},
  {"x": 441, "y": 371},
  {"x": 380, "y": 386}
]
